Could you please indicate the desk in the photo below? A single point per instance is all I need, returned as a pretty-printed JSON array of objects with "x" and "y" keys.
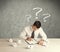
[{"x": 53, "y": 46}]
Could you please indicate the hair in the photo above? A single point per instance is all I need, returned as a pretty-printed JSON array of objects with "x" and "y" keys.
[{"x": 37, "y": 24}]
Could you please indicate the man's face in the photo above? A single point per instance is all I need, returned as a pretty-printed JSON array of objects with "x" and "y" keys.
[{"x": 34, "y": 28}]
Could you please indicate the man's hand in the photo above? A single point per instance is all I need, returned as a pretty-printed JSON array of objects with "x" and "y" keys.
[
  {"x": 41, "y": 42},
  {"x": 29, "y": 39}
]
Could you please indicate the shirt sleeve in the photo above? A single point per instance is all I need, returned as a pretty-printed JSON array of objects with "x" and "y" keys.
[
  {"x": 43, "y": 34},
  {"x": 23, "y": 34}
]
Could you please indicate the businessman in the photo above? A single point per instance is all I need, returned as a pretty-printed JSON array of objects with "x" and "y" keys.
[{"x": 32, "y": 32}]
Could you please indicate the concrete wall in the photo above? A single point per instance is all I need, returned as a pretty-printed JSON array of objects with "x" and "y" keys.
[{"x": 13, "y": 16}]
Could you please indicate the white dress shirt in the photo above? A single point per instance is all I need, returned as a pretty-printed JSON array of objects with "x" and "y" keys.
[{"x": 28, "y": 31}]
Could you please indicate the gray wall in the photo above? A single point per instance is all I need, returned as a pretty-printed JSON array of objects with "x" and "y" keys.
[{"x": 13, "y": 20}]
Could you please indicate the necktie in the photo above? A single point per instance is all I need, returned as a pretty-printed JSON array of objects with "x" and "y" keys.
[{"x": 32, "y": 35}]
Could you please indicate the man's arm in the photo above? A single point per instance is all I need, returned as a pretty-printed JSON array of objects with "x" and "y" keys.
[
  {"x": 23, "y": 34},
  {"x": 43, "y": 35}
]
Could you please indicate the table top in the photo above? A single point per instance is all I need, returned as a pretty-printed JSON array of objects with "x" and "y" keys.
[{"x": 53, "y": 46}]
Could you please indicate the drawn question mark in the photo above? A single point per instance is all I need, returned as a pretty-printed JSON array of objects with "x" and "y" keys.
[
  {"x": 39, "y": 10},
  {"x": 28, "y": 17},
  {"x": 47, "y": 15}
]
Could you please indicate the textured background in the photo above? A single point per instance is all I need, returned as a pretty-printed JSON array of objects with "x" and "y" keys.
[{"x": 13, "y": 20}]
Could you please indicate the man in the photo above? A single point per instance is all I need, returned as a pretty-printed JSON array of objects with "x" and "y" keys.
[{"x": 32, "y": 32}]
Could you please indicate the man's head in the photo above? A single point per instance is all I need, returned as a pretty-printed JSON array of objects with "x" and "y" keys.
[{"x": 36, "y": 25}]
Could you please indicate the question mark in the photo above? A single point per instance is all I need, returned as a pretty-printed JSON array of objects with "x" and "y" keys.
[
  {"x": 40, "y": 10},
  {"x": 28, "y": 17},
  {"x": 46, "y": 16}
]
